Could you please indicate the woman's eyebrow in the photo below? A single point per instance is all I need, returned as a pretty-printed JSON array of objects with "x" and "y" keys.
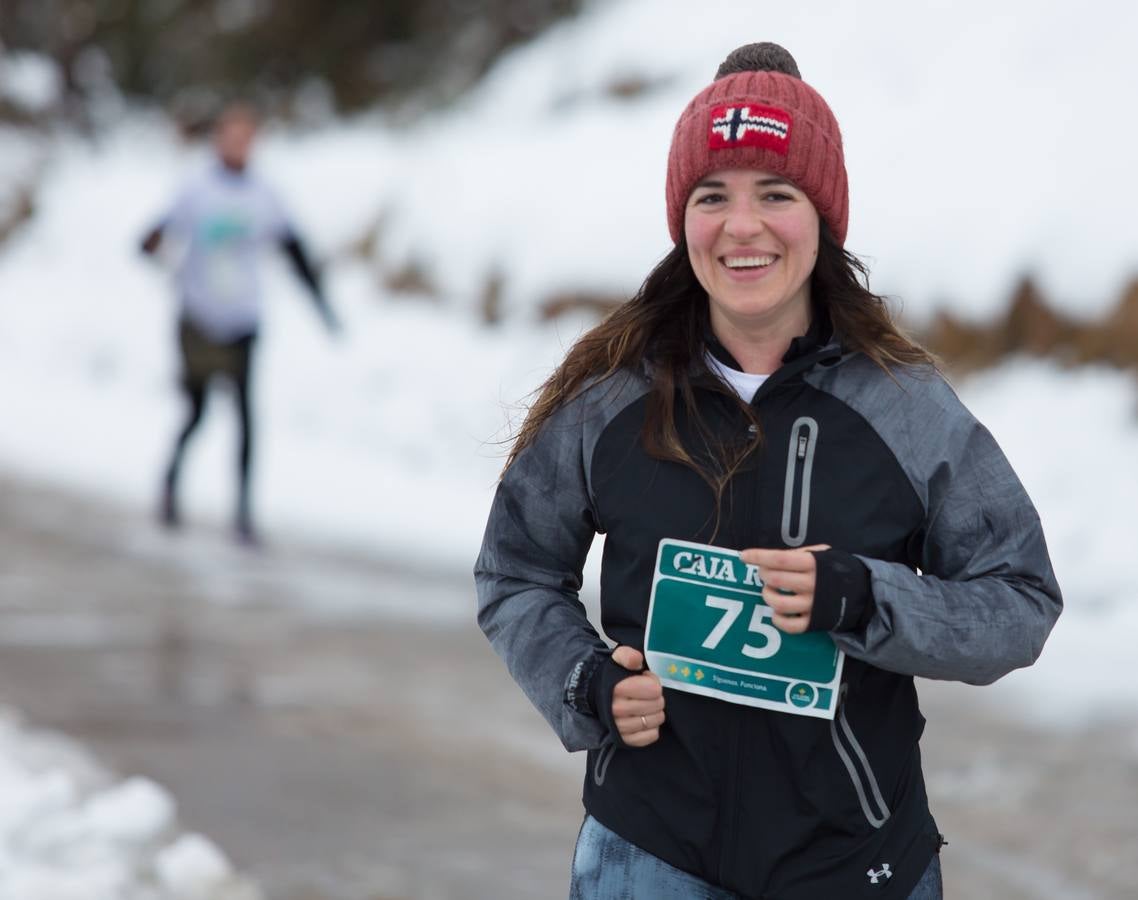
[{"x": 762, "y": 182}]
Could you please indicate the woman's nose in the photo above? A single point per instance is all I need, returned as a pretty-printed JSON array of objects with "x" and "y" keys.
[{"x": 743, "y": 223}]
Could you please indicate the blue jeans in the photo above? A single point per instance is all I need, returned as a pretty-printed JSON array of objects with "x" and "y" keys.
[{"x": 607, "y": 867}]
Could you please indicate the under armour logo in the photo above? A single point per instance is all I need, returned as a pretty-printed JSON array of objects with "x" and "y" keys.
[{"x": 875, "y": 877}]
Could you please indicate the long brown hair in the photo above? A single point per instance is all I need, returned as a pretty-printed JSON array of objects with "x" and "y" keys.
[{"x": 664, "y": 328}]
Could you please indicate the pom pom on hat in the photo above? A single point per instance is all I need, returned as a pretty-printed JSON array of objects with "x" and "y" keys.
[
  {"x": 759, "y": 114},
  {"x": 763, "y": 57}
]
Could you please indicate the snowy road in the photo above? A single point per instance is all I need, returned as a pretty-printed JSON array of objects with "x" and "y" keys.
[{"x": 376, "y": 749}]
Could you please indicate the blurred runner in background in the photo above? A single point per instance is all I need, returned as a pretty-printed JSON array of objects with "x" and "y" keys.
[{"x": 225, "y": 216}]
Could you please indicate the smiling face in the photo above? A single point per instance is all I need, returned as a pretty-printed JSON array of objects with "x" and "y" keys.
[{"x": 752, "y": 240}]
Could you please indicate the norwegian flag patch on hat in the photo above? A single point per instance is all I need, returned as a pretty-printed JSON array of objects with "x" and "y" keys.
[{"x": 736, "y": 125}]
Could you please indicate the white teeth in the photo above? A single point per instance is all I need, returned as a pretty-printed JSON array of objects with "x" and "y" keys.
[{"x": 740, "y": 262}]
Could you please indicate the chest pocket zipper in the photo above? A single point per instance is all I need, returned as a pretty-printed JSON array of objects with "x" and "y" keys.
[{"x": 799, "y": 468}]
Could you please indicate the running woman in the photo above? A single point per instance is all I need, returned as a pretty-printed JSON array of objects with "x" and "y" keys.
[{"x": 755, "y": 404}]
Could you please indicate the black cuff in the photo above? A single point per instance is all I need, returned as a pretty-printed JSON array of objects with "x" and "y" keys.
[
  {"x": 843, "y": 593},
  {"x": 301, "y": 264},
  {"x": 607, "y": 674},
  {"x": 579, "y": 684}
]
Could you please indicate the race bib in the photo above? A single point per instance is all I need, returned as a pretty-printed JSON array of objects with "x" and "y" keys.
[
  {"x": 709, "y": 632},
  {"x": 227, "y": 241}
]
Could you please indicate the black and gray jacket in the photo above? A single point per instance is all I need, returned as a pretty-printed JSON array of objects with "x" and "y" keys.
[{"x": 897, "y": 472}]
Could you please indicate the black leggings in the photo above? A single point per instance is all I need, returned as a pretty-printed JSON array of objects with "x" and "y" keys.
[{"x": 201, "y": 360}]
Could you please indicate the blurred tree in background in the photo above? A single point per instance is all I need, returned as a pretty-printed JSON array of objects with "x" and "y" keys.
[{"x": 345, "y": 54}]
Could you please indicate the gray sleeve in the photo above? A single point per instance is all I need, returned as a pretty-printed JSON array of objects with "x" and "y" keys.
[
  {"x": 528, "y": 572},
  {"x": 987, "y": 597}
]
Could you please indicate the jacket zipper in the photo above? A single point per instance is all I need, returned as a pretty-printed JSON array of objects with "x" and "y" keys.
[
  {"x": 799, "y": 469},
  {"x": 857, "y": 765},
  {"x": 750, "y": 499},
  {"x": 731, "y": 821},
  {"x": 810, "y": 428}
]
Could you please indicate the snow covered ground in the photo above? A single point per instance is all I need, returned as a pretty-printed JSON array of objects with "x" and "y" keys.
[
  {"x": 388, "y": 439},
  {"x": 68, "y": 831}
]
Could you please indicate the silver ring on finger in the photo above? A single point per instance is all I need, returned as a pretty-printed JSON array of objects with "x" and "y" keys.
[{"x": 644, "y": 722}]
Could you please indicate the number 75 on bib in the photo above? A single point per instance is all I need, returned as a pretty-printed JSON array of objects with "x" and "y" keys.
[{"x": 709, "y": 632}]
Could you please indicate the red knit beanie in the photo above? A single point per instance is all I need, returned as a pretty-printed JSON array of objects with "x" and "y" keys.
[{"x": 769, "y": 120}]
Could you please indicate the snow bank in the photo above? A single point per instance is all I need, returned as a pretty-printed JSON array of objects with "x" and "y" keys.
[
  {"x": 69, "y": 832},
  {"x": 974, "y": 153},
  {"x": 20, "y": 158},
  {"x": 29, "y": 81}
]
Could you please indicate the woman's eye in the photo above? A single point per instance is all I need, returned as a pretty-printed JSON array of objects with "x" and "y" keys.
[
  {"x": 778, "y": 197},
  {"x": 708, "y": 199}
]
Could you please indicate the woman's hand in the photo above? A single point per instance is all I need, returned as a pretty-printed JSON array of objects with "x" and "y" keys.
[
  {"x": 789, "y": 578},
  {"x": 637, "y": 701}
]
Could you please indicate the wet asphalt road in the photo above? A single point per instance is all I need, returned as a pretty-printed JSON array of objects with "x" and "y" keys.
[{"x": 376, "y": 750}]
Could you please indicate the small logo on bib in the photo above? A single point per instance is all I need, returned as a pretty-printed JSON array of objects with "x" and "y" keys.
[{"x": 801, "y": 695}]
